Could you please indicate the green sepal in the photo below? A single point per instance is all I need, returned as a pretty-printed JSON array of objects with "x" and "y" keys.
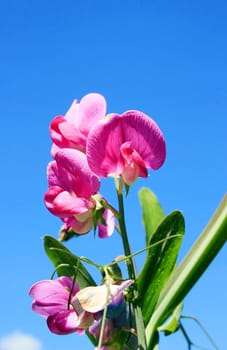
[
  {"x": 160, "y": 262},
  {"x": 114, "y": 272},
  {"x": 67, "y": 235},
  {"x": 66, "y": 263},
  {"x": 153, "y": 213},
  {"x": 127, "y": 188},
  {"x": 98, "y": 217},
  {"x": 172, "y": 325}
]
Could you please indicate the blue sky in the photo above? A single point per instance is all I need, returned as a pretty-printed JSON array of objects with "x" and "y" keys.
[{"x": 165, "y": 58}]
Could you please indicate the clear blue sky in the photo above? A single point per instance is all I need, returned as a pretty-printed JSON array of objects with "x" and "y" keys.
[{"x": 166, "y": 58}]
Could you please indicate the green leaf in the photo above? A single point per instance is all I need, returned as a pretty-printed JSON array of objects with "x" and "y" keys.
[
  {"x": 184, "y": 277},
  {"x": 152, "y": 212},
  {"x": 60, "y": 255},
  {"x": 160, "y": 261}
]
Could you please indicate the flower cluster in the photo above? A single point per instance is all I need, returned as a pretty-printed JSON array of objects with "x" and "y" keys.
[
  {"x": 87, "y": 145},
  {"x": 123, "y": 313}
]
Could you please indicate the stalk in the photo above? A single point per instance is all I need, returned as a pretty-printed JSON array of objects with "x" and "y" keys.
[{"x": 131, "y": 271}]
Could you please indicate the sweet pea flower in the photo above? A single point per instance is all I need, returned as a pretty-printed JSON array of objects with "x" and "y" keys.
[
  {"x": 72, "y": 192},
  {"x": 125, "y": 145},
  {"x": 71, "y": 130},
  {"x": 53, "y": 300},
  {"x": 66, "y": 308}
]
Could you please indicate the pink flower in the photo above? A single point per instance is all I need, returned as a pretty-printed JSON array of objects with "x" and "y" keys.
[
  {"x": 72, "y": 192},
  {"x": 125, "y": 145},
  {"x": 52, "y": 300},
  {"x": 72, "y": 130}
]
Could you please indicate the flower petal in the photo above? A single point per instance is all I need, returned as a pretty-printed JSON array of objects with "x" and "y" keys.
[
  {"x": 145, "y": 137},
  {"x": 117, "y": 289},
  {"x": 93, "y": 299},
  {"x": 109, "y": 330},
  {"x": 75, "y": 174},
  {"x": 64, "y": 322},
  {"x": 103, "y": 146},
  {"x": 46, "y": 290},
  {"x": 134, "y": 165},
  {"x": 75, "y": 139},
  {"x": 69, "y": 284},
  {"x": 79, "y": 227},
  {"x": 135, "y": 127},
  {"x": 67, "y": 204},
  {"x": 52, "y": 296},
  {"x": 51, "y": 308},
  {"x": 92, "y": 108},
  {"x": 49, "y": 199},
  {"x": 54, "y": 130},
  {"x": 54, "y": 149},
  {"x": 52, "y": 174},
  {"x": 72, "y": 115},
  {"x": 107, "y": 230},
  {"x": 71, "y": 131}
]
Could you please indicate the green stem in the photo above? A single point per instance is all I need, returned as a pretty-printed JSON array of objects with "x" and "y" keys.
[
  {"x": 131, "y": 272},
  {"x": 188, "y": 340},
  {"x": 104, "y": 314},
  {"x": 189, "y": 271},
  {"x": 124, "y": 236}
]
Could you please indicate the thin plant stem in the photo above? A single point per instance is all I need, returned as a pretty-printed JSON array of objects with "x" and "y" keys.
[
  {"x": 131, "y": 271},
  {"x": 104, "y": 315},
  {"x": 188, "y": 340},
  {"x": 202, "y": 328}
]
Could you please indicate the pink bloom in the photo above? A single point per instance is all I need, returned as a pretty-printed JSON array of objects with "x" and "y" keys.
[
  {"x": 52, "y": 300},
  {"x": 72, "y": 130},
  {"x": 125, "y": 145},
  {"x": 71, "y": 192}
]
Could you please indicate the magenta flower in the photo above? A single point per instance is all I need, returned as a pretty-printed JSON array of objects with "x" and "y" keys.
[
  {"x": 71, "y": 131},
  {"x": 125, "y": 145},
  {"x": 72, "y": 192},
  {"x": 52, "y": 300}
]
